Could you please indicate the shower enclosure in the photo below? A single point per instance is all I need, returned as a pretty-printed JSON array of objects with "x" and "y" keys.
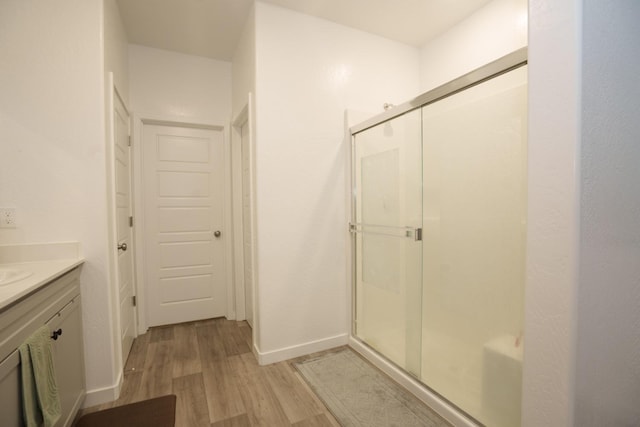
[{"x": 438, "y": 223}]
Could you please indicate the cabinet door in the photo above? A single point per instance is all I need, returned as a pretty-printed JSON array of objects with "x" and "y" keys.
[
  {"x": 69, "y": 359},
  {"x": 10, "y": 391}
]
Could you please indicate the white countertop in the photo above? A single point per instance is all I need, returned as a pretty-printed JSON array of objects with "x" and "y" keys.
[
  {"x": 43, "y": 273},
  {"x": 46, "y": 262}
]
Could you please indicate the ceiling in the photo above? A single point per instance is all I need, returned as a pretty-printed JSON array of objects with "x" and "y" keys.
[{"x": 212, "y": 28}]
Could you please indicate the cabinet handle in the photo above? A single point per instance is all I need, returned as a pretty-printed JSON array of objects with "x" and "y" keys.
[{"x": 56, "y": 334}]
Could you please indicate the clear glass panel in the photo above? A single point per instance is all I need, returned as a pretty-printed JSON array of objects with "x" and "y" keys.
[
  {"x": 388, "y": 193},
  {"x": 474, "y": 153}
]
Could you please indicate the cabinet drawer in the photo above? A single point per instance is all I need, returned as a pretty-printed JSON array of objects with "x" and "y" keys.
[{"x": 23, "y": 318}]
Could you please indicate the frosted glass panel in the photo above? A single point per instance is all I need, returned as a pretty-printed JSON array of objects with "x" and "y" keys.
[
  {"x": 380, "y": 191},
  {"x": 474, "y": 154},
  {"x": 380, "y": 197},
  {"x": 388, "y": 186}
]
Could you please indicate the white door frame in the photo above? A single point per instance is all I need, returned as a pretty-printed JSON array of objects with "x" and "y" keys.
[
  {"x": 139, "y": 120},
  {"x": 113, "y": 227},
  {"x": 238, "y": 234},
  {"x": 246, "y": 115}
]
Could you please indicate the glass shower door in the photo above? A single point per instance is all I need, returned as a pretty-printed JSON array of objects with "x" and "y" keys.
[
  {"x": 388, "y": 247},
  {"x": 475, "y": 154}
]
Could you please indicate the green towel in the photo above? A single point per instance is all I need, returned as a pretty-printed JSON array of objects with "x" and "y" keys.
[{"x": 40, "y": 400}]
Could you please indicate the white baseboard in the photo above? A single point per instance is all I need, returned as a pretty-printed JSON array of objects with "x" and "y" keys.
[
  {"x": 102, "y": 395},
  {"x": 287, "y": 353}
]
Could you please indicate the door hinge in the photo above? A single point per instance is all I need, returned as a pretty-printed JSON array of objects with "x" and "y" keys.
[
  {"x": 130, "y": 221},
  {"x": 133, "y": 300},
  {"x": 129, "y": 140}
]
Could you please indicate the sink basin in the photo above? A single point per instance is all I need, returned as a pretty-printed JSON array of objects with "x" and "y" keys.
[{"x": 11, "y": 275}]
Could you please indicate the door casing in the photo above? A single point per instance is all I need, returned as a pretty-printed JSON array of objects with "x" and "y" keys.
[
  {"x": 244, "y": 119},
  {"x": 139, "y": 120},
  {"x": 113, "y": 97}
]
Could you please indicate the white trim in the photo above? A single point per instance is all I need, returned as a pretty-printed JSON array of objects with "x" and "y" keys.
[
  {"x": 174, "y": 122},
  {"x": 104, "y": 394},
  {"x": 236, "y": 202},
  {"x": 300, "y": 349},
  {"x": 112, "y": 227},
  {"x": 117, "y": 93},
  {"x": 112, "y": 277},
  {"x": 138, "y": 215},
  {"x": 443, "y": 408},
  {"x": 254, "y": 221},
  {"x": 227, "y": 194},
  {"x": 242, "y": 117},
  {"x": 134, "y": 283},
  {"x": 246, "y": 115},
  {"x": 139, "y": 120}
]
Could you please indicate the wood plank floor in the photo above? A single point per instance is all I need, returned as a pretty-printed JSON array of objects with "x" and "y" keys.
[{"x": 209, "y": 366}]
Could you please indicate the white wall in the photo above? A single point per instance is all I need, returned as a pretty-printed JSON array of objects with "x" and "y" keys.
[
  {"x": 116, "y": 62},
  {"x": 553, "y": 214},
  {"x": 582, "y": 355},
  {"x": 52, "y": 154},
  {"x": 244, "y": 65},
  {"x": 243, "y": 69},
  {"x": 308, "y": 72},
  {"x": 608, "y": 305},
  {"x": 497, "y": 29},
  {"x": 174, "y": 85},
  {"x": 116, "y": 46}
]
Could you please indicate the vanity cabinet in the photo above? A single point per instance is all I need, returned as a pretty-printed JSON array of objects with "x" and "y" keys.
[{"x": 57, "y": 305}]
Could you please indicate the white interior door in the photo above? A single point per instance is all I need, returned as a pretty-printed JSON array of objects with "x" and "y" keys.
[
  {"x": 247, "y": 232},
  {"x": 183, "y": 179},
  {"x": 122, "y": 157}
]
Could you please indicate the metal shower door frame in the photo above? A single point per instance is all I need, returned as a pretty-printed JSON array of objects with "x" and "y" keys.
[{"x": 480, "y": 75}]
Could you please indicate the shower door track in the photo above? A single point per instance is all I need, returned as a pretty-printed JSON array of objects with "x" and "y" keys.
[{"x": 493, "y": 69}]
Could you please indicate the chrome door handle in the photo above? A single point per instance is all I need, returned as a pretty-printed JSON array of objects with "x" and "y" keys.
[
  {"x": 217, "y": 233},
  {"x": 122, "y": 247}
]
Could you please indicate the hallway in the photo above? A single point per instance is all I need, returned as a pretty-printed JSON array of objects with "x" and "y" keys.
[{"x": 209, "y": 366}]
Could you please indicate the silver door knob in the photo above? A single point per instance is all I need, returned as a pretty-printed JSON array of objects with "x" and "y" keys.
[
  {"x": 123, "y": 247},
  {"x": 217, "y": 233}
]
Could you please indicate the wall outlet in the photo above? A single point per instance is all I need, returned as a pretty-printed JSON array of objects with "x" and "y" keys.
[{"x": 7, "y": 217}]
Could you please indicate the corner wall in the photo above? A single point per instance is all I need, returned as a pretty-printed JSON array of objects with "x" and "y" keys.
[
  {"x": 608, "y": 306},
  {"x": 582, "y": 351},
  {"x": 243, "y": 65},
  {"x": 243, "y": 69},
  {"x": 52, "y": 155},
  {"x": 553, "y": 213},
  {"x": 116, "y": 58},
  {"x": 116, "y": 62},
  {"x": 308, "y": 72}
]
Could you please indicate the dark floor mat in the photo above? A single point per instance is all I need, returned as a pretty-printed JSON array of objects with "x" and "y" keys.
[{"x": 157, "y": 412}]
